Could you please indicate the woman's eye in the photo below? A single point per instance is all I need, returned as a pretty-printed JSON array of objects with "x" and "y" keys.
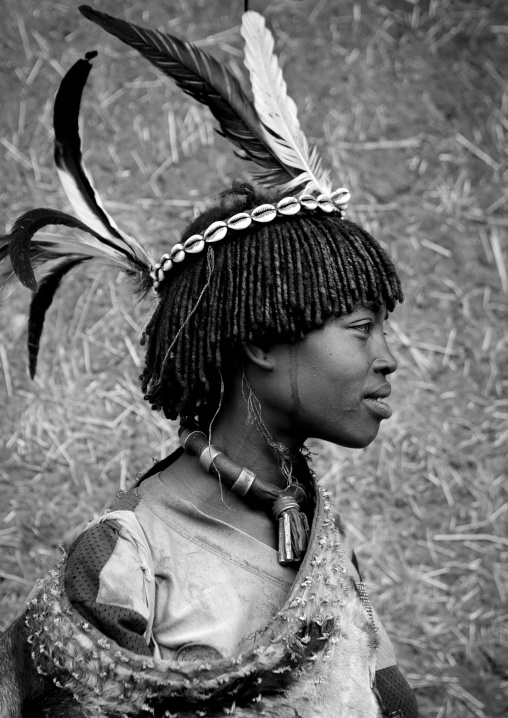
[{"x": 364, "y": 327}]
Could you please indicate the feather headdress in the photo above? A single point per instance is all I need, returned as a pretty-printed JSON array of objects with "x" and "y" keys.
[
  {"x": 264, "y": 130},
  {"x": 40, "y": 263}
]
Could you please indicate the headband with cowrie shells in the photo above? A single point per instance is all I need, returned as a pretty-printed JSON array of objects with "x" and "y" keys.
[{"x": 337, "y": 202}]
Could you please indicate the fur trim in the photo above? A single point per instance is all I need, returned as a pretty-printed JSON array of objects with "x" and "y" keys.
[{"x": 315, "y": 659}]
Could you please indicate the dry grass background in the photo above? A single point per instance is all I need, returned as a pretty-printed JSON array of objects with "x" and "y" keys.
[{"x": 412, "y": 99}]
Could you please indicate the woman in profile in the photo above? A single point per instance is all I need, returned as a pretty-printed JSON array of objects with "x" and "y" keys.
[{"x": 220, "y": 583}]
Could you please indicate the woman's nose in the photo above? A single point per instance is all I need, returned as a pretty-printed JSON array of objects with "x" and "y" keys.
[{"x": 385, "y": 362}]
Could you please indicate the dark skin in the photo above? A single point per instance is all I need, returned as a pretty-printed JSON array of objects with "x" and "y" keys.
[{"x": 315, "y": 388}]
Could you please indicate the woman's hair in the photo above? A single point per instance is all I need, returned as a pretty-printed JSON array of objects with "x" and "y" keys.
[{"x": 271, "y": 283}]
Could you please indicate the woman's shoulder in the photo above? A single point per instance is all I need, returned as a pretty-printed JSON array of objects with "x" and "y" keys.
[
  {"x": 120, "y": 526},
  {"x": 127, "y": 500},
  {"x": 137, "y": 498}
]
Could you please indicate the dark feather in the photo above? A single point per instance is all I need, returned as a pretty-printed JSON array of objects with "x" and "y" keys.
[
  {"x": 21, "y": 236},
  {"x": 6, "y": 272},
  {"x": 54, "y": 256},
  {"x": 68, "y": 143},
  {"x": 21, "y": 250},
  {"x": 41, "y": 301},
  {"x": 4, "y": 246},
  {"x": 210, "y": 83},
  {"x": 51, "y": 255},
  {"x": 75, "y": 179}
]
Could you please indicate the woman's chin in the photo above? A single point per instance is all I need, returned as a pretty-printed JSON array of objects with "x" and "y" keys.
[
  {"x": 352, "y": 440},
  {"x": 360, "y": 443}
]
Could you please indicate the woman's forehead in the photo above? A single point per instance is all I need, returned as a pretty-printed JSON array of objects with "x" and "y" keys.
[{"x": 371, "y": 307}]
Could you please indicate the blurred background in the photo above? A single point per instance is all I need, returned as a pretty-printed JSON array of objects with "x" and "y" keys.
[{"x": 408, "y": 102}]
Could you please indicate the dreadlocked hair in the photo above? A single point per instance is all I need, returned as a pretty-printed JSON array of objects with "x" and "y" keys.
[{"x": 271, "y": 283}]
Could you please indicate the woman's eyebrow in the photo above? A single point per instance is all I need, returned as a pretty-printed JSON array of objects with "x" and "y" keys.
[{"x": 371, "y": 307}]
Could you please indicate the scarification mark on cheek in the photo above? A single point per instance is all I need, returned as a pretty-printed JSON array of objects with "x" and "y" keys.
[{"x": 293, "y": 378}]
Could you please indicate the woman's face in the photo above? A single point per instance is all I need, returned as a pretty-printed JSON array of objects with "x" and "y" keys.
[{"x": 330, "y": 384}]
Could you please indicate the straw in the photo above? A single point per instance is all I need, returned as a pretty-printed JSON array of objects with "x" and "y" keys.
[{"x": 408, "y": 104}]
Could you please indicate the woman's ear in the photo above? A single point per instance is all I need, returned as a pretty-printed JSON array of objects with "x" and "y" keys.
[{"x": 260, "y": 356}]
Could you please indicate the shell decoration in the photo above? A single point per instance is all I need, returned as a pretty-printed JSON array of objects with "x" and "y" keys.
[{"x": 337, "y": 202}]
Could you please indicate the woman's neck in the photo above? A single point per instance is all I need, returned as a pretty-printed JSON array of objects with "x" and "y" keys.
[
  {"x": 244, "y": 444},
  {"x": 234, "y": 433}
]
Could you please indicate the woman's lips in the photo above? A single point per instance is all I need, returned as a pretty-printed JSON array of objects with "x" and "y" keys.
[{"x": 379, "y": 408}]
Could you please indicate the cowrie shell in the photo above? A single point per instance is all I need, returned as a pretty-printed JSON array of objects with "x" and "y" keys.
[
  {"x": 341, "y": 196},
  {"x": 153, "y": 274},
  {"x": 308, "y": 201},
  {"x": 179, "y": 256},
  {"x": 175, "y": 249},
  {"x": 215, "y": 232},
  {"x": 163, "y": 258},
  {"x": 194, "y": 244},
  {"x": 288, "y": 205},
  {"x": 160, "y": 275},
  {"x": 167, "y": 265},
  {"x": 264, "y": 213},
  {"x": 240, "y": 221},
  {"x": 325, "y": 203}
]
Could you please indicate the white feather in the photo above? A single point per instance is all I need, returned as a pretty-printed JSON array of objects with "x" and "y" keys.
[
  {"x": 276, "y": 109},
  {"x": 78, "y": 245},
  {"x": 80, "y": 205},
  {"x": 89, "y": 217}
]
